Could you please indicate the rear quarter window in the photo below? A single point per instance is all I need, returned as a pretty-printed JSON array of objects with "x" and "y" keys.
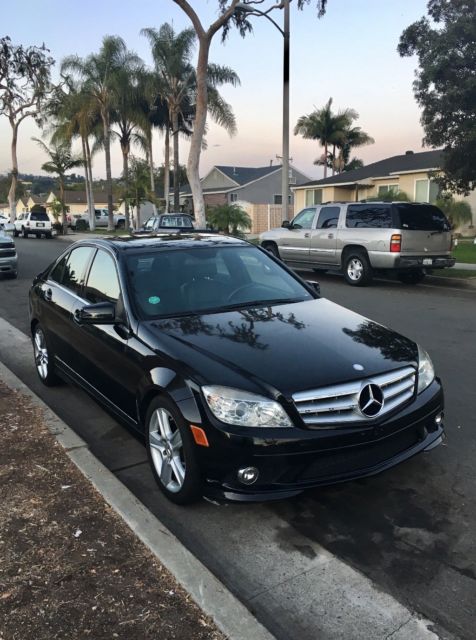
[
  {"x": 369, "y": 216},
  {"x": 421, "y": 217}
]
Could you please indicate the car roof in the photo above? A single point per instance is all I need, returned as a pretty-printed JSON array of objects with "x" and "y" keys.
[{"x": 122, "y": 244}]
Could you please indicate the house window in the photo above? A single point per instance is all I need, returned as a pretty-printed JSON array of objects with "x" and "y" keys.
[
  {"x": 233, "y": 197},
  {"x": 426, "y": 191},
  {"x": 278, "y": 198},
  {"x": 313, "y": 196},
  {"x": 385, "y": 188}
]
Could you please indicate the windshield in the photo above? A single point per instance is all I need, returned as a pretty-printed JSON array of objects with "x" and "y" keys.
[
  {"x": 421, "y": 217},
  {"x": 171, "y": 282}
]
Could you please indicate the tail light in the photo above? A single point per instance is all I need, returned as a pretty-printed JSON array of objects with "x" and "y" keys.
[{"x": 395, "y": 243}]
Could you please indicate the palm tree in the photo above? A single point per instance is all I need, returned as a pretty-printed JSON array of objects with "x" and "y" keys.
[
  {"x": 352, "y": 137},
  {"x": 100, "y": 75},
  {"x": 61, "y": 160},
  {"x": 177, "y": 84},
  {"x": 137, "y": 190},
  {"x": 229, "y": 218},
  {"x": 458, "y": 212}
]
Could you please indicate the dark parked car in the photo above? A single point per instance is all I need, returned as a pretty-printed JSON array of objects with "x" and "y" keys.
[
  {"x": 167, "y": 222},
  {"x": 246, "y": 383}
]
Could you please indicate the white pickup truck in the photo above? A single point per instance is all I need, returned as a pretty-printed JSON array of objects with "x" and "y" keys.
[{"x": 80, "y": 221}]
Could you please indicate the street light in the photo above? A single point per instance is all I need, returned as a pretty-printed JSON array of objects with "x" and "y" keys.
[{"x": 244, "y": 8}]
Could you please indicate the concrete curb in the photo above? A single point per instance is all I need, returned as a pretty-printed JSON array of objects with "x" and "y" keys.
[{"x": 228, "y": 613}]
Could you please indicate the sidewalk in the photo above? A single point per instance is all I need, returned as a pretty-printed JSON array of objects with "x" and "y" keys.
[{"x": 72, "y": 567}]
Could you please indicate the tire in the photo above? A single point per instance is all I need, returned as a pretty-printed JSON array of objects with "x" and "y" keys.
[
  {"x": 43, "y": 358},
  {"x": 357, "y": 270},
  {"x": 412, "y": 276},
  {"x": 173, "y": 459},
  {"x": 49, "y": 235},
  {"x": 81, "y": 225},
  {"x": 16, "y": 233},
  {"x": 13, "y": 275},
  {"x": 272, "y": 248},
  {"x": 121, "y": 224},
  {"x": 25, "y": 233}
]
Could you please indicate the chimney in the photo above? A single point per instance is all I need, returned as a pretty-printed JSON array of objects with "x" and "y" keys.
[{"x": 409, "y": 153}]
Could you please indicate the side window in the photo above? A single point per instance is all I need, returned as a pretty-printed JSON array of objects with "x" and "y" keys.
[
  {"x": 103, "y": 283},
  {"x": 74, "y": 270},
  {"x": 304, "y": 219},
  {"x": 56, "y": 273},
  {"x": 149, "y": 224},
  {"x": 328, "y": 217},
  {"x": 369, "y": 216}
]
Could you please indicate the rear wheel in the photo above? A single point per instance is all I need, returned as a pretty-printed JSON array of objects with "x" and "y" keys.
[
  {"x": 412, "y": 276},
  {"x": 25, "y": 233},
  {"x": 357, "y": 269},
  {"x": 171, "y": 452},
  {"x": 43, "y": 358},
  {"x": 121, "y": 224},
  {"x": 272, "y": 248}
]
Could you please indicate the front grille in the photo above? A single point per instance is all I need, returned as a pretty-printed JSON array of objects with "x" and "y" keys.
[
  {"x": 335, "y": 406},
  {"x": 7, "y": 253},
  {"x": 354, "y": 459},
  {"x": 6, "y": 245}
]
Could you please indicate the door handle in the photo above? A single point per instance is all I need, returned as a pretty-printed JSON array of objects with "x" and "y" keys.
[
  {"x": 331, "y": 235},
  {"x": 307, "y": 235},
  {"x": 48, "y": 294}
]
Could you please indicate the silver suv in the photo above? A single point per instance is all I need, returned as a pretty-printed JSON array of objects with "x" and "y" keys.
[{"x": 363, "y": 237}]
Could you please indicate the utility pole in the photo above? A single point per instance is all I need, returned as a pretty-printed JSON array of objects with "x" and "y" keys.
[{"x": 285, "y": 167}]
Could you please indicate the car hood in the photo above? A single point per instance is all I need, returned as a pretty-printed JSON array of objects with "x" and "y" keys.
[{"x": 285, "y": 348}]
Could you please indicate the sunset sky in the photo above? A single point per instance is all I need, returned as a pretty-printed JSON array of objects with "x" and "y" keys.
[{"x": 349, "y": 54}]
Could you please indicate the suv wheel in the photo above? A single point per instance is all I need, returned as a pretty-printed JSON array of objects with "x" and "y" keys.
[
  {"x": 121, "y": 224},
  {"x": 272, "y": 248},
  {"x": 357, "y": 270},
  {"x": 25, "y": 233},
  {"x": 171, "y": 452},
  {"x": 43, "y": 358},
  {"x": 15, "y": 233},
  {"x": 412, "y": 276}
]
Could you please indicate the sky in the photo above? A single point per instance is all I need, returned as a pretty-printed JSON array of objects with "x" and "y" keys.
[{"x": 349, "y": 55}]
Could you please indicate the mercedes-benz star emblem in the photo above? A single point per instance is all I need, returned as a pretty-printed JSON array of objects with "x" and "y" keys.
[{"x": 371, "y": 400}]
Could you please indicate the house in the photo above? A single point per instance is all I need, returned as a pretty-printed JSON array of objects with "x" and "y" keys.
[
  {"x": 76, "y": 201},
  {"x": 26, "y": 203},
  {"x": 409, "y": 173},
  {"x": 245, "y": 185}
]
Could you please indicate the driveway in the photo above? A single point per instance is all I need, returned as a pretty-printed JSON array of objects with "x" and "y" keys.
[{"x": 411, "y": 529}]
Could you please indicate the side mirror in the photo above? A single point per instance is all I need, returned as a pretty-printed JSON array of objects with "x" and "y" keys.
[
  {"x": 286, "y": 224},
  {"x": 315, "y": 286},
  {"x": 100, "y": 313}
]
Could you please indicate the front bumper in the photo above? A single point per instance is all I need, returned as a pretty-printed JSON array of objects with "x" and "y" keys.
[
  {"x": 9, "y": 265},
  {"x": 300, "y": 459}
]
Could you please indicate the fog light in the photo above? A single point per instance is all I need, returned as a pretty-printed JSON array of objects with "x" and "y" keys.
[
  {"x": 439, "y": 419},
  {"x": 248, "y": 475}
]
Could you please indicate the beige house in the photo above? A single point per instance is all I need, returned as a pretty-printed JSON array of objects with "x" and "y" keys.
[
  {"x": 409, "y": 173},
  {"x": 26, "y": 203},
  {"x": 76, "y": 202}
]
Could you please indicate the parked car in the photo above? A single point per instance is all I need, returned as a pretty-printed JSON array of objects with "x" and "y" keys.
[
  {"x": 364, "y": 237},
  {"x": 246, "y": 384},
  {"x": 167, "y": 222},
  {"x": 32, "y": 223},
  {"x": 8, "y": 255},
  {"x": 6, "y": 225},
  {"x": 80, "y": 221}
]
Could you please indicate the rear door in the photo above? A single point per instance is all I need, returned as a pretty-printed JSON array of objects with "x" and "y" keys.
[
  {"x": 425, "y": 230},
  {"x": 295, "y": 241},
  {"x": 324, "y": 236}
]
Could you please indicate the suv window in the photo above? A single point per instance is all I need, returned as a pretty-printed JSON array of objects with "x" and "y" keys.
[
  {"x": 73, "y": 275},
  {"x": 103, "y": 283},
  {"x": 369, "y": 215},
  {"x": 39, "y": 216},
  {"x": 328, "y": 217},
  {"x": 304, "y": 219},
  {"x": 421, "y": 217}
]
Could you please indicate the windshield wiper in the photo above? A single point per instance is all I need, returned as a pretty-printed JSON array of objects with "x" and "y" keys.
[{"x": 258, "y": 303}]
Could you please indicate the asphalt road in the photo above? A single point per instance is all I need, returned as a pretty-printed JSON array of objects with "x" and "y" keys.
[{"x": 411, "y": 529}]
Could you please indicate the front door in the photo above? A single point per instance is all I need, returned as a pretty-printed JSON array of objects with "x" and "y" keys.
[
  {"x": 324, "y": 237},
  {"x": 296, "y": 239}
]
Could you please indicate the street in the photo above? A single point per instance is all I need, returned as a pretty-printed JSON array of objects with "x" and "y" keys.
[{"x": 410, "y": 530}]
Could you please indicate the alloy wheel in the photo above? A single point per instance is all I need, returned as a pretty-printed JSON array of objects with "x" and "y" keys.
[
  {"x": 41, "y": 354},
  {"x": 355, "y": 269},
  {"x": 166, "y": 450}
]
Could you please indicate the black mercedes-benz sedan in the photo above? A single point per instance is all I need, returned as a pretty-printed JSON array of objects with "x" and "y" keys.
[{"x": 246, "y": 384}]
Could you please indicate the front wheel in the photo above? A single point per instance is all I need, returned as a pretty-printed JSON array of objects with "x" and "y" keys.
[
  {"x": 357, "y": 270},
  {"x": 121, "y": 224},
  {"x": 171, "y": 452},
  {"x": 43, "y": 358},
  {"x": 272, "y": 248},
  {"x": 15, "y": 233},
  {"x": 412, "y": 276},
  {"x": 25, "y": 233}
]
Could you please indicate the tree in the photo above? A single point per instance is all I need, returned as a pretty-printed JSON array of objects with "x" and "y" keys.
[
  {"x": 391, "y": 195},
  {"x": 99, "y": 74},
  {"x": 353, "y": 137},
  {"x": 177, "y": 84},
  {"x": 24, "y": 85},
  {"x": 137, "y": 189},
  {"x": 445, "y": 44},
  {"x": 458, "y": 212},
  {"x": 61, "y": 160},
  {"x": 228, "y": 17},
  {"x": 229, "y": 218}
]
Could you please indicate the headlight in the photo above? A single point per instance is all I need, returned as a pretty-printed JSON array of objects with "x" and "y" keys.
[
  {"x": 426, "y": 373},
  {"x": 244, "y": 409}
]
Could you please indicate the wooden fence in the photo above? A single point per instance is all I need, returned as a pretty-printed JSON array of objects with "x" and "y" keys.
[{"x": 266, "y": 216}]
